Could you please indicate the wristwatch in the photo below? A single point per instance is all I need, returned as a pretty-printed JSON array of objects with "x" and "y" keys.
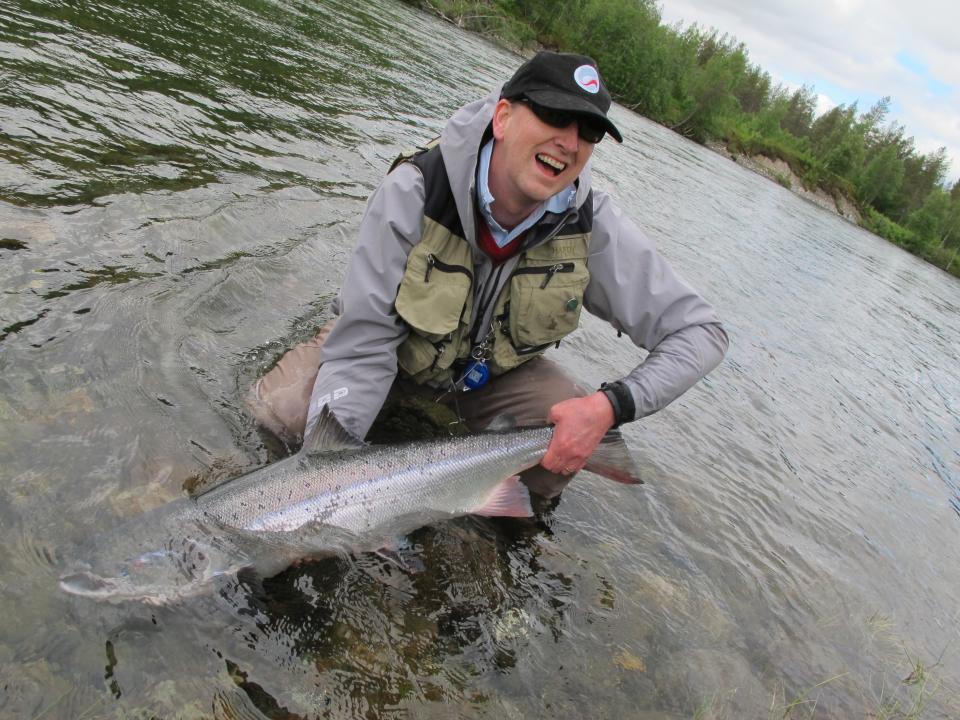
[{"x": 621, "y": 399}]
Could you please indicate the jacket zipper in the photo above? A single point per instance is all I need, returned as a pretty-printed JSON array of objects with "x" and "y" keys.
[
  {"x": 547, "y": 270},
  {"x": 528, "y": 349},
  {"x": 550, "y": 235},
  {"x": 440, "y": 347},
  {"x": 433, "y": 261},
  {"x": 492, "y": 282}
]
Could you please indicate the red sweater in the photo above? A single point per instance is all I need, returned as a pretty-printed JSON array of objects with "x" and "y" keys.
[{"x": 489, "y": 245}]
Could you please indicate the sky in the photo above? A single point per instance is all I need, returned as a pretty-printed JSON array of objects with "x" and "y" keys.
[{"x": 853, "y": 50}]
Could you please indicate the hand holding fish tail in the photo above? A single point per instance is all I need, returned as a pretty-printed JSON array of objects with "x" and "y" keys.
[{"x": 579, "y": 425}]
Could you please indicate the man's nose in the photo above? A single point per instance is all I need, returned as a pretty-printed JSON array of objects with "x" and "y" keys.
[{"x": 568, "y": 138}]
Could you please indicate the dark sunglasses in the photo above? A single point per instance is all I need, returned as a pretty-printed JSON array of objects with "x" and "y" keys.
[{"x": 586, "y": 129}]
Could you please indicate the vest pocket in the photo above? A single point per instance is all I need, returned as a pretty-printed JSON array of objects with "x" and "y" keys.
[
  {"x": 545, "y": 303},
  {"x": 422, "y": 359},
  {"x": 433, "y": 298},
  {"x": 432, "y": 294}
]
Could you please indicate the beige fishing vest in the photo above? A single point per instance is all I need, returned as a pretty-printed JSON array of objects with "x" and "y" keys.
[{"x": 538, "y": 306}]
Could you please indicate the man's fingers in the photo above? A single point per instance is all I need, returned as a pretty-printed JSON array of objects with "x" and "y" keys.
[{"x": 579, "y": 424}]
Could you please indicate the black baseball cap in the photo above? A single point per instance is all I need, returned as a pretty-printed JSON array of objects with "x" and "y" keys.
[{"x": 563, "y": 81}]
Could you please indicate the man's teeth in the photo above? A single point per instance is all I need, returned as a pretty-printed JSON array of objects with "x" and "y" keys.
[{"x": 555, "y": 164}]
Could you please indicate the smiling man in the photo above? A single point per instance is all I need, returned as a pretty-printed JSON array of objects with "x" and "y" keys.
[{"x": 475, "y": 255}]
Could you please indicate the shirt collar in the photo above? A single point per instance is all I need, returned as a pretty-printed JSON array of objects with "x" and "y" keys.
[{"x": 559, "y": 203}]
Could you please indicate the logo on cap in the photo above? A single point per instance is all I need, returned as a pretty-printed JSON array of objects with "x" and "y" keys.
[{"x": 587, "y": 78}]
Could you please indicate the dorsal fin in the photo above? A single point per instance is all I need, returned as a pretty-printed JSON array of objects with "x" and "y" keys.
[{"x": 329, "y": 435}]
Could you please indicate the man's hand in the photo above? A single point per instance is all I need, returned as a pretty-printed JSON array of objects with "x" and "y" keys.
[{"x": 579, "y": 425}]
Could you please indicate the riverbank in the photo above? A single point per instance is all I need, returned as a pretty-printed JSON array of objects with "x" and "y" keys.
[
  {"x": 779, "y": 171},
  {"x": 836, "y": 201}
]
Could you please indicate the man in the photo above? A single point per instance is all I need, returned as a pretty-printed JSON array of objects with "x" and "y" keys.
[{"x": 476, "y": 255}]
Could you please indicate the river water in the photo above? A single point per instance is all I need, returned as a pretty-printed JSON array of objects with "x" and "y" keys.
[{"x": 180, "y": 184}]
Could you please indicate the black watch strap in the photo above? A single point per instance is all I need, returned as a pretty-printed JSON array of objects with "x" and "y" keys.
[{"x": 621, "y": 399}]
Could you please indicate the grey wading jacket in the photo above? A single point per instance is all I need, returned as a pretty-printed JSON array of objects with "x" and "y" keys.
[{"x": 630, "y": 286}]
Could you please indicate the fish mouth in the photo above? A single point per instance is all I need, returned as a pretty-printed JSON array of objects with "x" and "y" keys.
[
  {"x": 87, "y": 584},
  {"x": 93, "y": 587},
  {"x": 554, "y": 165}
]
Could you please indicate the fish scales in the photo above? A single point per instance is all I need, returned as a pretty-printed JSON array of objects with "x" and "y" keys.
[{"x": 448, "y": 477}]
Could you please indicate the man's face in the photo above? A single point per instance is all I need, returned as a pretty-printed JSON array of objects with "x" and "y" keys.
[{"x": 532, "y": 160}]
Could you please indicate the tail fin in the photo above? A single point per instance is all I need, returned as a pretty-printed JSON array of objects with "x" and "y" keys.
[{"x": 612, "y": 460}]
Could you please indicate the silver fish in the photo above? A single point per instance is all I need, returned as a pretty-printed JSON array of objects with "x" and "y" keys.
[{"x": 336, "y": 495}]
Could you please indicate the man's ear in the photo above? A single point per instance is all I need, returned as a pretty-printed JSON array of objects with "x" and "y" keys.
[{"x": 501, "y": 116}]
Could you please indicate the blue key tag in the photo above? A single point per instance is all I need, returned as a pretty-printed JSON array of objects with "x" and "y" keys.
[{"x": 477, "y": 375}]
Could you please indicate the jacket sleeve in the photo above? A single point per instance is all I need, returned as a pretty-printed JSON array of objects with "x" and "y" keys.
[
  {"x": 637, "y": 291},
  {"x": 359, "y": 358}
]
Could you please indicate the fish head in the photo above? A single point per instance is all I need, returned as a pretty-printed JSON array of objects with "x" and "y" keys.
[{"x": 174, "y": 570}]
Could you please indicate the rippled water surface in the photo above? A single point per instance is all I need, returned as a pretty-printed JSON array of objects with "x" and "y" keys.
[{"x": 180, "y": 184}]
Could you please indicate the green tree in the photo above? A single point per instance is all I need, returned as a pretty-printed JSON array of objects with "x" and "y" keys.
[
  {"x": 871, "y": 122},
  {"x": 720, "y": 63},
  {"x": 797, "y": 109},
  {"x": 836, "y": 138},
  {"x": 753, "y": 90},
  {"x": 922, "y": 174},
  {"x": 930, "y": 221},
  {"x": 845, "y": 156},
  {"x": 892, "y": 135},
  {"x": 881, "y": 179},
  {"x": 950, "y": 230},
  {"x": 886, "y": 150}
]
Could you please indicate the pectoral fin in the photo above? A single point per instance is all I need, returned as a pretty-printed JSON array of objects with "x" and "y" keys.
[{"x": 509, "y": 498}]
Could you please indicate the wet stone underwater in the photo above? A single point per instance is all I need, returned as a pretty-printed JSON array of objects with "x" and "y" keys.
[{"x": 180, "y": 185}]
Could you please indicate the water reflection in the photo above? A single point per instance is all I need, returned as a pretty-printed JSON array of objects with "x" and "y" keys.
[
  {"x": 358, "y": 636},
  {"x": 160, "y": 96}
]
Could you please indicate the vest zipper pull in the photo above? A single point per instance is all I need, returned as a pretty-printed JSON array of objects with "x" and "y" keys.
[
  {"x": 431, "y": 261},
  {"x": 550, "y": 273},
  {"x": 440, "y": 348}
]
